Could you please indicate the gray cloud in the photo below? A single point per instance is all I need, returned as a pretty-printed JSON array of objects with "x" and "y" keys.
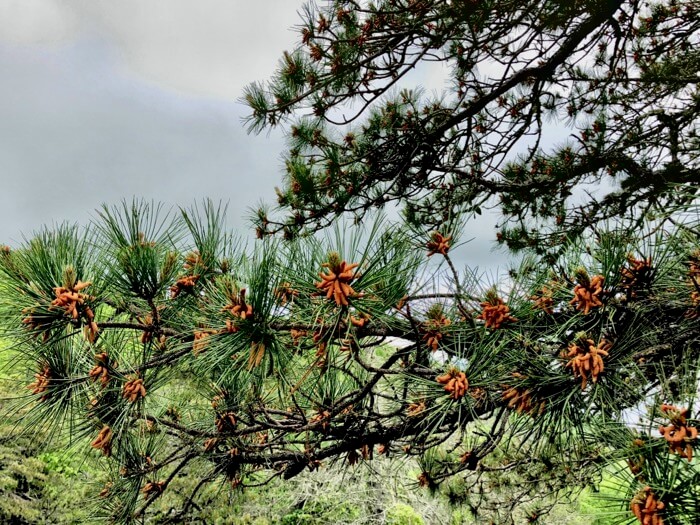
[
  {"x": 214, "y": 48},
  {"x": 102, "y": 101},
  {"x": 208, "y": 47},
  {"x": 74, "y": 133}
]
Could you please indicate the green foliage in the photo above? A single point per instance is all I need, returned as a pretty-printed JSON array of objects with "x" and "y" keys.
[
  {"x": 199, "y": 368},
  {"x": 36, "y": 486},
  {"x": 402, "y": 514},
  {"x": 361, "y": 136},
  {"x": 59, "y": 462},
  {"x": 235, "y": 369},
  {"x": 42, "y": 486}
]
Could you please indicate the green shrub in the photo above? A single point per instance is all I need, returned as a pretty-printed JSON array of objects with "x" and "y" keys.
[{"x": 402, "y": 514}]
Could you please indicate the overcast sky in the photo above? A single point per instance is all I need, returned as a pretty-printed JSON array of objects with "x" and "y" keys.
[{"x": 101, "y": 101}]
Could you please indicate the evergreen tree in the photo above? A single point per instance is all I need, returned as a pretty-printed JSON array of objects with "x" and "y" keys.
[
  {"x": 159, "y": 341},
  {"x": 618, "y": 77}
]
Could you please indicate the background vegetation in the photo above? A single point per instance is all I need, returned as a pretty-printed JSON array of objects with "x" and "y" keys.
[{"x": 54, "y": 483}]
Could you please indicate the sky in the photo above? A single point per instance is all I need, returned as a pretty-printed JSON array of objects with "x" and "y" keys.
[{"x": 102, "y": 101}]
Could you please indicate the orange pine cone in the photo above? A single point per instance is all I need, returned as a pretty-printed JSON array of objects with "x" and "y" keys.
[
  {"x": 360, "y": 321},
  {"x": 455, "y": 382},
  {"x": 238, "y": 307},
  {"x": 72, "y": 301},
  {"x": 153, "y": 487},
  {"x": 225, "y": 422},
  {"x": 586, "y": 359},
  {"x": 495, "y": 312},
  {"x": 679, "y": 435},
  {"x": 200, "y": 340},
  {"x": 636, "y": 275},
  {"x": 101, "y": 369},
  {"x": 415, "y": 409},
  {"x": 335, "y": 282},
  {"x": 438, "y": 244},
  {"x": 587, "y": 294},
  {"x": 186, "y": 283},
  {"x": 285, "y": 293},
  {"x": 520, "y": 400},
  {"x": 192, "y": 259},
  {"x": 41, "y": 385},
  {"x": 134, "y": 390},
  {"x": 434, "y": 331},
  {"x": 210, "y": 444},
  {"x": 103, "y": 441},
  {"x": 647, "y": 508},
  {"x": 544, "y": 301}
]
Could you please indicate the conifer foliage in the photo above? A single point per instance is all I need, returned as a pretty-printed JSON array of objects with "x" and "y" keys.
[
  {"x": 618, "y": 78},
  {"x": 167, "y": 348},
  {"x": 275, "y": 361}
]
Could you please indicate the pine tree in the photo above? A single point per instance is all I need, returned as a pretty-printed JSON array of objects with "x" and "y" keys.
[
  {"x": 617, "y": 80},
  {"x": 160, "y": 342}
]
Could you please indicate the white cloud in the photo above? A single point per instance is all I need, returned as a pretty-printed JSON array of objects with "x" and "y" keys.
[
  {"x": 209, "y": 47},
  {"x": 36, "y": 21}
]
